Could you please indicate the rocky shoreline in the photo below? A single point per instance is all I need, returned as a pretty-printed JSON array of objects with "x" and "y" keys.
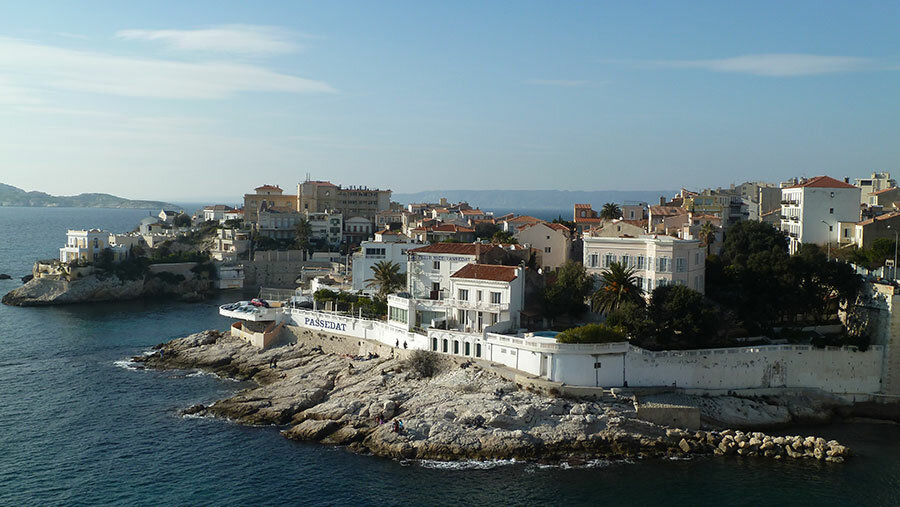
[
  {"x": 459, "y": 413},
  {"x": 93, "y": 288}
]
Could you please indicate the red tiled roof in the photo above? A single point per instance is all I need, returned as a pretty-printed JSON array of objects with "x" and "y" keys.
[
  {"x": 268, "y": 187},
  {"x": 667, "y": 210},
  {"x": 472, "y": 212},
  {"x": 388, "y": 231},
  {"x": 589, "y": 220},
  {"x": 453, "y": 248},
  {"x": 884, "y": 190},
  {"x": 823, "y": 182},
  {"x": 487, "y": 272},
  {"x": 886, "y": 216},
  {"x": 525, "y": 219},
  {"x": 579, "y": 206}
]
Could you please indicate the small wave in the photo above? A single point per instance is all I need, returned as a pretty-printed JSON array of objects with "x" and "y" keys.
[
  {"x": 565, "y": 465},
  {"x": 462, "y": 465},
  {"x": 201, "y": 373},
  {"x": 197, "y": 416},
  {"x": 128, "y": 364}
]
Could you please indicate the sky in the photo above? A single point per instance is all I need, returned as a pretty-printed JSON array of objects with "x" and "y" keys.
[{"x": 197, "y": 101}]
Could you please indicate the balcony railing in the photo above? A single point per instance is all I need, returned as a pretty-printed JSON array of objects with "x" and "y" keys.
[{"x": 477, "y": 305}]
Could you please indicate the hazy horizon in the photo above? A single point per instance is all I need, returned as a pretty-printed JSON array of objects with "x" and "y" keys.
[{"x": 207, "y": 100}]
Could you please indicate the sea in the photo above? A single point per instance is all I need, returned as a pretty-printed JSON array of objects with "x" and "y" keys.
[{"x": 79, "y": 425}]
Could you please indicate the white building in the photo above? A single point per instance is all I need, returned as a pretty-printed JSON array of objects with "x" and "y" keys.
[
  {"x": 812, "y": 209},
  {"x": 483, "y": 295},
  {"x": 216, "y": 213},
  {"x": 657, "y": 260},
  {"x": 480, "y": 297},
  {"x": 429, "y": 267},
  {"x": 326, "y": 227},
  {"x": 389, "y": 246}
]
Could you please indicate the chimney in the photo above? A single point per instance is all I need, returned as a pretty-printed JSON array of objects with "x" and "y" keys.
[
  {"x": 662, "y": 200},
  {"x": 846, "y": 180},
  {"x": 477, "y": 253}
]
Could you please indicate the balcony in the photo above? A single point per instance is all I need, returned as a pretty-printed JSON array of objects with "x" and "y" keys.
[{"x": 477, "y": 305}]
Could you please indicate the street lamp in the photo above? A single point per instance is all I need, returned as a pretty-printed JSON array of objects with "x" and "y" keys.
[
  {"x": 894, "y": 267},
  {"x": 827, "y": 242}
]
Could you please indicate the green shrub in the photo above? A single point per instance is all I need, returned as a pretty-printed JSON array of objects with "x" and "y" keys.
[{"x": 591, "y": 333}]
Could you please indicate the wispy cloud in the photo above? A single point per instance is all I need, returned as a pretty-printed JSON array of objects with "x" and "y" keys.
[
  {"x": 233, "y": 39},
  {"x": 16, "y": 95},
  {"x": 571, "y": 83},
  {"x": 778, "y": 64},
  {"x": 31, "y": 66}
]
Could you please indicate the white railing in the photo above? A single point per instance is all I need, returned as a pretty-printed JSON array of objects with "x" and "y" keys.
[{"x": 478, "y": 305}]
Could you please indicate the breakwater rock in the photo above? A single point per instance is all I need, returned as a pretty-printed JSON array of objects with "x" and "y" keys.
[
  {"x": 94, "y": 288},
  {"x": 458, "y": 413}
]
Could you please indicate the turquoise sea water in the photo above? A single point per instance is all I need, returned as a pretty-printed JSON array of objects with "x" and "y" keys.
[{"x": 79, "y": 428}]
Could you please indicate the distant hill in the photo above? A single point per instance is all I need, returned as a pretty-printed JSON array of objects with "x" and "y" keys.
[
  {"x": 535, "y": 199},
  {"x": 13, "y": 196}
]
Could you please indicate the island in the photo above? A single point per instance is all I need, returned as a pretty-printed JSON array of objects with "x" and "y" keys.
[{"x": 14, "y": 196}]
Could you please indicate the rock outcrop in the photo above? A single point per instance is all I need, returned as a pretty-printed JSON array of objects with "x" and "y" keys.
[
  {"x": 460, "y": 413},
  {"x": 93, "y": 288}
]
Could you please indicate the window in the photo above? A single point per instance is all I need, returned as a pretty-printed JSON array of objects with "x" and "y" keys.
[
  {"x": 495, "y": 298},
  {"x": 436, "y": 265},
  {"x": 463, "y": 294},
  {"x": 626, "y": 260},
  {"x": 831, "y": 211},
  {"x": 649, "y": 285},
  {"x": 398, "y": 314},
  {"x": 478, "y": 295},
  {"x": 830, "y": 228},
  {"x": 445, "y": 345},
  {"x": 546, "y": 249},
  {"x": 662, "y": 282},
  {"x": 608, "y": 259},
  {"x": 697, "y": 258},
  {"x": 662, "y": 264},
  {"x": 593, "y": 260},
  {"x": 681, "y": 265},
  {"x": 640, "y": 262}
]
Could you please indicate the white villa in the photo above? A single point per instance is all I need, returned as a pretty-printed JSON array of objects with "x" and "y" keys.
[
  {"x": 86, "y": 245},
  {"x": 657, "y": 260}
]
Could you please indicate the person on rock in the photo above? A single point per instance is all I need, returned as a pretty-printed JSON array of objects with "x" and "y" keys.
[{"x": 396, "y": 427}]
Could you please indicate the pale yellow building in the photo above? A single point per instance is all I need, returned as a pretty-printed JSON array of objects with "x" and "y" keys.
[{"x": 554, "y": 241}]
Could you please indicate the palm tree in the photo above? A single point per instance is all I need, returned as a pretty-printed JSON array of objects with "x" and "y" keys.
[
  {"x": 302, "y": 230},
  {"x": 386, "y": 278},
  {"x": 708, "y": 235},
  {"x": 611, "y": 211},
  {"x": 618, "y": 285}
]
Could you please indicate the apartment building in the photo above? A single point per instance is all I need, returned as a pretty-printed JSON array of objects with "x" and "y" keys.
[
  {"x": 318, "y": 196},
  {"x": 326, "y": 228},
  {"x": 657, "y": 260},
  {"x": 875, "y": 183},
  {"x": 277, "y": 224},
  {"x": 270, "y": 197},
  {"x": 812, "y": 209},
  {"x": 554, "y": 241}
]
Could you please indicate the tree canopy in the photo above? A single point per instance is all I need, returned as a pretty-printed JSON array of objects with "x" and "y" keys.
[
  {"x": 618, "y": 285},
  {"x": 386, "y": 278},
  {"x": 611, "y": 211},
  {"x": 566, "y": 290}
]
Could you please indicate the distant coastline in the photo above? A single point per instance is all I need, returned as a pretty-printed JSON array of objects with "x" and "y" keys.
[{"x": 14, "y": 196}]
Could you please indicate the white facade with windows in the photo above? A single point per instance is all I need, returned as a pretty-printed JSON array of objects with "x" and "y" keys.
[
  {"x": 373, "y": 252},
  {"x": 85, "y": 245},
  {"x": 657, "y": 260},
  {"x": 325, "y": 227},
  {"x": 811, "y": 211}
]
